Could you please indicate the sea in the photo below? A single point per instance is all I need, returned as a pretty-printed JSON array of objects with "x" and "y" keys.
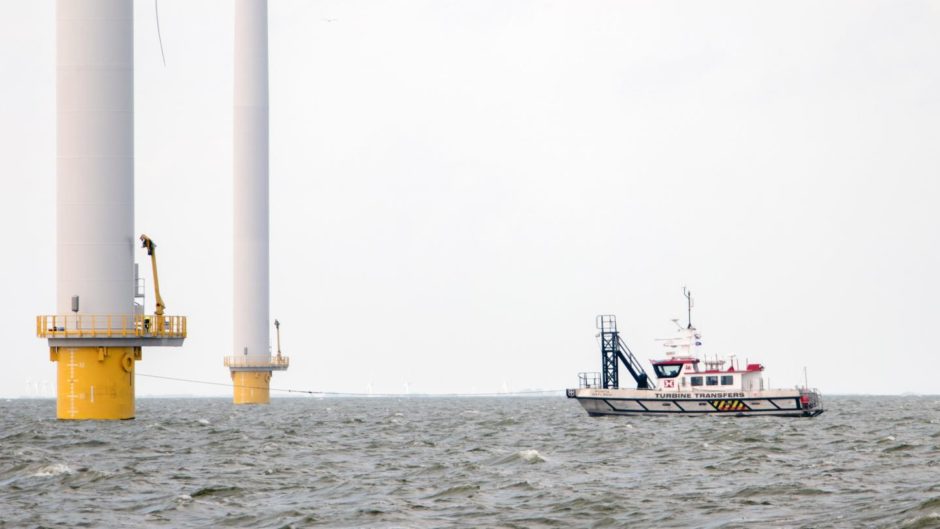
[{"x": 508, "y": 462}]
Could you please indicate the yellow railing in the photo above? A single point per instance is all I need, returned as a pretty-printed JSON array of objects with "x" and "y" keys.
[
  {"x": 276, "y": 362},
  {"x": 110, "y": 326}
]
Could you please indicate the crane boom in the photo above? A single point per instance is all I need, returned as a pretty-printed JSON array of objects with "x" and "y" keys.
[{"x": 151, "y": 247}]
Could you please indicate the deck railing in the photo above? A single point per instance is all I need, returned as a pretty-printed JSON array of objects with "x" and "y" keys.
[
  {"x": 811, "y": 397},
  {"x": 589, "y": 380},
  {"x": 110, "y": 326},
  {"x": 257, "y": 361}
]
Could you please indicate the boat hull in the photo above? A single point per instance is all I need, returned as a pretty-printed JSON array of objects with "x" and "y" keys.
[{"x": 780, "y": 403}]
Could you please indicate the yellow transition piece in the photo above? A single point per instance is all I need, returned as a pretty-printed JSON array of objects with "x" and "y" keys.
[
  {"x": 252, "y": 387},
  {"x": 95, "y": 382}
]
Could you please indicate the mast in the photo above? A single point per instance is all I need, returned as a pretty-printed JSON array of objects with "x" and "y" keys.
[{"x": 688, "y": 297}]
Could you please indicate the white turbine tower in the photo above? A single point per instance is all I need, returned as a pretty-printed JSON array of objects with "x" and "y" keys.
[
  {"x": 251, "y": 363},
  {"x": 96, "y": 335}
]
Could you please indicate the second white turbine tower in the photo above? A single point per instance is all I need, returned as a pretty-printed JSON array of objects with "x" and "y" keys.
[{"x": 251, "y": 363}]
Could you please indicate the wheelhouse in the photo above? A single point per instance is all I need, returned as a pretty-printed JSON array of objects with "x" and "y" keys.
[{"x": 687, "y": 374}]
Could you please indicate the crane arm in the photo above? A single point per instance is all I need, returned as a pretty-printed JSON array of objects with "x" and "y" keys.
[{"x": 151, "y": 248}]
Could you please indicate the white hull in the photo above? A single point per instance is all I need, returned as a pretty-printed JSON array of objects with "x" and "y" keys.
[{"x": 788, "y": 403}]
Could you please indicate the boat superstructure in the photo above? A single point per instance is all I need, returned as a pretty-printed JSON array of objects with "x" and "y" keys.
[{"x": 686, "y": 382}]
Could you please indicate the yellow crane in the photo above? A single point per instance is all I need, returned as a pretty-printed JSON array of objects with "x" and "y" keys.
[{"x": 151, "y": 247}]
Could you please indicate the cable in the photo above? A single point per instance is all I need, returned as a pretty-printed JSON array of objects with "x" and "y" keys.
[
  {"x": 348, "y": 394},
  {"x": 156, "y": 14}
]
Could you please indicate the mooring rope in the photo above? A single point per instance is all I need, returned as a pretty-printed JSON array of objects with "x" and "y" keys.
[{"x": 351, "y": 394}]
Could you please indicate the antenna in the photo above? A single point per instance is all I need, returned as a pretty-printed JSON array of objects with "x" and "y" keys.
[{"x": 688, "y": 296}]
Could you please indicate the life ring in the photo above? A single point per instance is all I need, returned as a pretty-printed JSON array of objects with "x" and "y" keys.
[{"x": 127, "y": 363}]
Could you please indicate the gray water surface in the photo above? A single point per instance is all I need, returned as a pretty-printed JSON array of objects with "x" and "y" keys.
[{"x": 471, "y": 462}]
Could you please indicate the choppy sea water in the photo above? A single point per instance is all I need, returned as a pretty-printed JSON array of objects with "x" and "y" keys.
[{"x": 471, "y": 462}]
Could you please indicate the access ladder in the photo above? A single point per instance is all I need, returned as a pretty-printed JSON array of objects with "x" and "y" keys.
[{"x": 613, "y": 349}]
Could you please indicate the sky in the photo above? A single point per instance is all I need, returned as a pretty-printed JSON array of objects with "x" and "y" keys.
[{"x": 459, "y": 187}]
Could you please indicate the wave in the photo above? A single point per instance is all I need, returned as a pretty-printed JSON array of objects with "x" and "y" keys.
[
  {"x": 899, "y": 448},
  {"x": 522, "y": 456},
  {"x": 792, "y": 489},
  {"x": 931, "y": 520},
  {"x": 457, "y": 490},
  {"x": 519, "y": 485},
  {"x": 214, "y": 491},
  {"x": 55, "y": 469}
]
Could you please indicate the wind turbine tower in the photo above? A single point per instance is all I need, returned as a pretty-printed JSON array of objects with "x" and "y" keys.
[
  {"x": 97, "y": 334},
  {"x": 251, "y": 363}
]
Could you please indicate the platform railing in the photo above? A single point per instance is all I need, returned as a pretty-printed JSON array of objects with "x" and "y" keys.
[
  {"x": 813, "y": 398},
  {"x": 257, "y": 361},
  {"x": 589, "y": 380},
  {"x": 110, "y": 326}
]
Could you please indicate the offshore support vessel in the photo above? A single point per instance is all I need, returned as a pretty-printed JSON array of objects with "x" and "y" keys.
[{"x": 684, "y": 383}]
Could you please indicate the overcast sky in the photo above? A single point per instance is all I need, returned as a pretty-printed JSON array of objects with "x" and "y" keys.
[{"x": 459, "y": 187}]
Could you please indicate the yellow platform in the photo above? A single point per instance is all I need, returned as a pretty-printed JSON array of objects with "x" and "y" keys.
[
  {"x": 251, "y": 387},
  {"x": 95, "y": 382}
]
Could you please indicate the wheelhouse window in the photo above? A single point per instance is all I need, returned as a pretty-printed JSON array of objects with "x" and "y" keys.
[
  {"x": 667, "y": 370},
  {"x": 711, "y": 381},
  {"x": 727, "y": 380},
  {"x": 696, "y": 381}
]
